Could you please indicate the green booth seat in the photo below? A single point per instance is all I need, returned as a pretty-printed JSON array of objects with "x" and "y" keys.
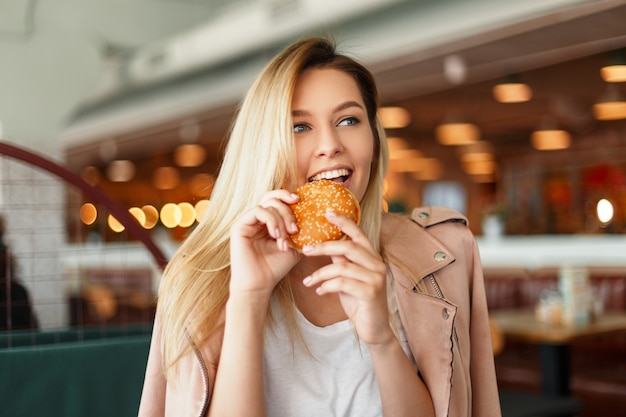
[
  {"x": 23, "y": 338},
  {"x": 91, "y": 376}
]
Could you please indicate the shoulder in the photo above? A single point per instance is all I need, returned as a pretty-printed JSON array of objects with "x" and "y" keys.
[
  {"x": 445, "y": 224},
  {"x": 425, "y": 217},
  {"x": 432, "y": 228},
  {"x": 432, "y": 215}
]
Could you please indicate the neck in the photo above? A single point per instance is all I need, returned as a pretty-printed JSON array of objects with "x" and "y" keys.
[{"x": 321, "y": 310}]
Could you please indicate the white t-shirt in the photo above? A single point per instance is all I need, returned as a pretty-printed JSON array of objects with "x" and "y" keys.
[{"x": 336, "y": 379}]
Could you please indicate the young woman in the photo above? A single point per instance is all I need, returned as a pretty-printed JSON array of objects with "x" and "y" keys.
[{"x": 386, "y": 323}]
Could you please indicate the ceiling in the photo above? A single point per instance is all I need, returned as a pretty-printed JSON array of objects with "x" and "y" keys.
[{"x": 558, "y": 55}]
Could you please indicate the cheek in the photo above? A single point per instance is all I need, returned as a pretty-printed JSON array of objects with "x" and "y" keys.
[
  {"x": 303, "y": 156},
  {"x": 367, "y": 152},
  {"x": 365, "y": 155}
]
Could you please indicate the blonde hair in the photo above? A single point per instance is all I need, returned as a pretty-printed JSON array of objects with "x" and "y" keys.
[{"x": 259, "y": 157}]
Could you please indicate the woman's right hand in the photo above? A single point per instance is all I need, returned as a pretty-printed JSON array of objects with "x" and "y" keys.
[{"x": 259, "y": 250}]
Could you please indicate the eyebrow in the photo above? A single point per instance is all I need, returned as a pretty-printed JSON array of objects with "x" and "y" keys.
[{"x": 340, "y": 107}]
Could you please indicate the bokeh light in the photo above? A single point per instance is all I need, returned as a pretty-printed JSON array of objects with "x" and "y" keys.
[
  {"x": 188, "y": 214},
  {"x": 152, "y": 216},
  {"x": 114, "y": 224},
  {"x": 200, "y": 208},
  {"x": 138, "y": 214},
  {"x": 88, "y": 213},
  {"x": 171, "y": 215}
]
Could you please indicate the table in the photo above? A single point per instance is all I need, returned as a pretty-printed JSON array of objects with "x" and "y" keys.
[{"x": 554, "y": 341}]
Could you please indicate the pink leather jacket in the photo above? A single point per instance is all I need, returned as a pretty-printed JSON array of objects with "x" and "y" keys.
[{"x": 446, "y": 323}]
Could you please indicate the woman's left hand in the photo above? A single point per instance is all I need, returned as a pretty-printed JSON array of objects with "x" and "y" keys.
[{"x": 358, "y": 275}]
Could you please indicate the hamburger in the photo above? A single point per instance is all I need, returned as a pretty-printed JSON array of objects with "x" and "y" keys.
[{"x": 316, "y": 199}]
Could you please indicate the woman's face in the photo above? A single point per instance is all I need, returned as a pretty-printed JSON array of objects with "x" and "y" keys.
[{"x": 332, "y": 133}]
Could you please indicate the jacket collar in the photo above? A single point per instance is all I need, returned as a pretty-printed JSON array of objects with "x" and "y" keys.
[{"x": 408, "y": 245}]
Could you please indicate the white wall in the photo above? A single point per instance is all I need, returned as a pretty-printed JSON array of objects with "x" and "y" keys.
[
  {"x": 49, "y": 65},
  {"x": 32, "y": 204}
]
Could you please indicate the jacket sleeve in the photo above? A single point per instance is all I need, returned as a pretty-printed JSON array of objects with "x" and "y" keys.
[
  {"x": 152, "y": 402},
  {"x": 485, "y": 390}
]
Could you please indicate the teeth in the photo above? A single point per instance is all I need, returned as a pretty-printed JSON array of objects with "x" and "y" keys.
[{"x": 335, "y": 173}]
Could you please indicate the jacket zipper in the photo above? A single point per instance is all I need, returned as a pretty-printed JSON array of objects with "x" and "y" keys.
[
  {"x": 205, "y": 377},
  {"x": 454, "y": 334},
  {"x": 205, "y": 382}
]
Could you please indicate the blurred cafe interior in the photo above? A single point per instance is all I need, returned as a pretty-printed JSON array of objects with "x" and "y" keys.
[{"x": 513, "y": 113}]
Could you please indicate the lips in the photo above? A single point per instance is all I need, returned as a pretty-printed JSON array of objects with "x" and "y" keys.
[{"x": 336, "y": 175}]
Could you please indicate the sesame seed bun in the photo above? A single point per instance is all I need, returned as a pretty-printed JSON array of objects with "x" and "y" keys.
[{"x": 316, "y": 199}]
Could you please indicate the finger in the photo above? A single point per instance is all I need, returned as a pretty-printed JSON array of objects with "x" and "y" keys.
[
  {"x": 279, "y": 200},
  {"x": 346, "y": 270},
  {"x": 348, "y": 251},
  {"x": 283, "y": 195},
  {"x": 277, "y": 227},
  {"x": 358, "y": 289},
  {"x": 348, "y": 227},
  {"x": 268, "y": 218}
]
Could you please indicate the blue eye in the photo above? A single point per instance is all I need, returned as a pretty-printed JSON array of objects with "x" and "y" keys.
[
  {"x": 349, "y": 121},
  {"x": 300, "y": 128}
]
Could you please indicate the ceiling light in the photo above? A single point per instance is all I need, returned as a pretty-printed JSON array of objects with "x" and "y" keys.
[
  {"x": 615, "y": 71},
  {"x": 610, "y": 110},
  {"x": 201, "y": 185},
  {"x": 394, "y": 117},
  {"x": 404, "y": 154},
  {"x": 412, "y": 162},
  {"x": 611, "y": 105},
  {"x": 189, "y": 131},
  {"x": 166, "y": 178},
  {"x": 121, "y": 170},
  {"x": 483, "y": 179},
  {"x": 470, "y": 157},
  {"x": 512, "y": 90},
  {"x": 550, "y": 139},
  {"x": 481, "y": 147},
  {"x": 395, "y": 143},
  {"x": 189, "y": 155},
  {"x": 457, "y": 133},
  {"x": 479, "y": 163},
  {"x": 480, "y": 167},
  {"x": 454, "y": 69},
  {"x": 431, "y": 170}
]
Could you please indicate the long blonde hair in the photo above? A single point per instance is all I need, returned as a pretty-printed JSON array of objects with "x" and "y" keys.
[{"x": 259, "y": 157}]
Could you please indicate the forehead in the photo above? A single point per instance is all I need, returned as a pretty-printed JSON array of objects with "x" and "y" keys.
[{"x": 319, "y": 85}]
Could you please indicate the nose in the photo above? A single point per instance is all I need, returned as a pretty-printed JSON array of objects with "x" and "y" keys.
[{"x": 329, "y": 142}]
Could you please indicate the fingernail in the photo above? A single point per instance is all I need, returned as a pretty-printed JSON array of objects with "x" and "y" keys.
[
  {"x": 277, "y": 232},
  {"x": 293, "y": 227},
  {"x": 294, "y": 195},
  {"x": 307, "y": 280},
  {"x": 307, "y": 249},
  {"x": 331, "y": 213}
]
